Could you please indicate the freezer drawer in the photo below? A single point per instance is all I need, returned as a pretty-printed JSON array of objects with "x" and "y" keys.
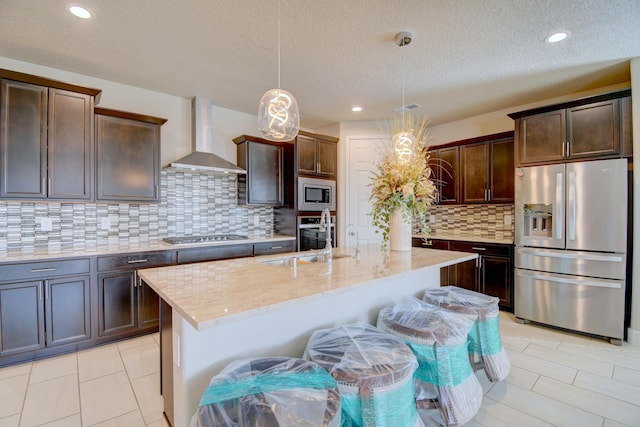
[
  {"x": 594, "y": 306},
  {"x": 579, "y": 263}
]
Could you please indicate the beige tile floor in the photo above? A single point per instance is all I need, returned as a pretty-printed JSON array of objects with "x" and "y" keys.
[{"x": 556, "y": 379}]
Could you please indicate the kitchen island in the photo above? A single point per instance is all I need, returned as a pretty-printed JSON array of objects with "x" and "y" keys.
[{"x": 215, "y": 312}]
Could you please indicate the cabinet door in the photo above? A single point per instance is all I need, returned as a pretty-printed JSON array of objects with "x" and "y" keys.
[
  {"x": 502, "y": 172},
  {"x": 327, "y": 159},
  {"x": 593, "y": 129},
  {"x": 128, "y": 159},
  {"x": 306, "y": 154},
  {"x": 264, "y": 174},
  {"x": 447, "y": 173},
  {"x": 542, "y": 137},
  {"x": 23, "y": 140},
  {"x": 21, "y": 318},
  {"x": 465, "y": 275},
  {"x": 148, "y": 306},
  {"x": 117, "y": 303},
  {"x": 67, "y": 310},
  {"x": 475, "y": 172},
  {"x": 496, "y": 278},
  {"x": 70, "y": 145}
]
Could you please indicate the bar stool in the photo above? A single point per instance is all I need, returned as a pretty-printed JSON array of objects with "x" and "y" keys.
[
  {"x": 374, "y": 372},
  {"x": 485, "y": 344},
  {"x": 444, "y": 379},
  {"x": 270, "y": 392}
]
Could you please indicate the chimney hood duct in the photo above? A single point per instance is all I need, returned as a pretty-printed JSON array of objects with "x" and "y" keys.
[{"x": 202, "y": 133}]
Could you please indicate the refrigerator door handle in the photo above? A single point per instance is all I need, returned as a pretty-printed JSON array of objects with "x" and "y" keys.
[
  {"x": 581, "y": 256},
  {"x": 588, "y": 282},
  {"x": 559, "y": 206},
  {"x": 572, "y": 206}
]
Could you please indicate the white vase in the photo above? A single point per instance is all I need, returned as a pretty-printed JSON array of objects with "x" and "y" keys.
[{"x": 400, "y": 230}]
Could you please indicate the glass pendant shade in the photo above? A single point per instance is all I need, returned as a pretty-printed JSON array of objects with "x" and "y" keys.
[
  {"x": 403, "y": 145},
  {"x": 278, "y": 116}
]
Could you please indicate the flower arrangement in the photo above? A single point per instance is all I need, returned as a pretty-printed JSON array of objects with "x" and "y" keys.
[{"x": 402, "y": 181}]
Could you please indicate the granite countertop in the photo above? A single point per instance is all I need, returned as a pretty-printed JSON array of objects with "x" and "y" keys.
[
  {"x": 209, "y": 293},
  {"x": 120, "y": 248},
  {"x": 468, "y": 238}
]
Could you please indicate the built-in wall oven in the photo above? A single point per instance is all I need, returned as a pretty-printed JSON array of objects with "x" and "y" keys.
[
  {"x": 316, "y": 194},
  {"x": 310, "y": 236}
]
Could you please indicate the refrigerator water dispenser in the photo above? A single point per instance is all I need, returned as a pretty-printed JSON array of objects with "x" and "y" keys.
[{"x": 538, "y": 220}]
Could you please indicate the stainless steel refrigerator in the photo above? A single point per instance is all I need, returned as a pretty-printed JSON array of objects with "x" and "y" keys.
[{"x": 571, "y": 246}]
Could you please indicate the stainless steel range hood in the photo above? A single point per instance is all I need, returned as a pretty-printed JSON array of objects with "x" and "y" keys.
[{"x": 202, "y": 134}]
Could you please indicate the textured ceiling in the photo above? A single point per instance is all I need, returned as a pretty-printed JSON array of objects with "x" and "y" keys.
[{"x": 467, "y": 56}]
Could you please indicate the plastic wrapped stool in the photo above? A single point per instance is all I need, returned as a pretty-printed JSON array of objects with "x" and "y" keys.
[
  {"x": 438, "y": 338},
  {"x": 270, "y": 392},
  {"x": 485, "y": 347},
  {"x": 374, "y": 371}
]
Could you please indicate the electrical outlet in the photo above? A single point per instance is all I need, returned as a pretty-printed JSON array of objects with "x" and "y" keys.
[
  {"x": 432, "y": 218},
  {"x": 105, "y": 223},
  {"x": 507, "y": 219},
  {"x": 46, "y": 224},
  {"x": 256, "y": 220}
]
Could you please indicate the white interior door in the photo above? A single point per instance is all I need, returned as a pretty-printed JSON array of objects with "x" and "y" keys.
[{"x": 362, "y": 155}]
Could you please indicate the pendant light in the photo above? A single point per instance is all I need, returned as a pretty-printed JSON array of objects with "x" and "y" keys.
[
  {"x": 403, "y": 141},
  {"x": 278, "y": 116}
]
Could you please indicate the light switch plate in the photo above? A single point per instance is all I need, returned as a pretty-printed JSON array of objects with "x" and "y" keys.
[
  {"x": 432, "y": 218},
  {"x": 46, "y": 224},
  {"x": 256, "y": 220},
  {"x": 507, "y": 219}
]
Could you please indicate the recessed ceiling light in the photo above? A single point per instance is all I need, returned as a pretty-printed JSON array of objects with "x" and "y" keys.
[
  {"x": 356, "y": 108},
  {"x": 80, "y": 11},
  {"x": 557, "y": 36}
]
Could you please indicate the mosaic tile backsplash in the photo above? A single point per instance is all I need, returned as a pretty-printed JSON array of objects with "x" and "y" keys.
[
  {"x": 193, "y": 203},
  {"x": 484, "y": 221}
]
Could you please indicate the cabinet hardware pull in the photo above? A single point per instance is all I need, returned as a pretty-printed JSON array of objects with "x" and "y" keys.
[
  {"x": 427, "y": 243},
  {"x": 478, "y": 248},
  {"x": 489, "y": 195},
  {"x": 44, "y": 186},
  {"x": 137, "y": 261},
  {"x": 46, "y": 292},
  {"x": 40, "y": 291},
  {"x": 41, "y": 270},
  {"x": 49, "y": 187},
  {"x": 276, "y": 247}
]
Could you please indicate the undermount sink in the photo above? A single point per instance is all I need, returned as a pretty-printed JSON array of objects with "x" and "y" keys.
[{"x": 301, "y": 259}]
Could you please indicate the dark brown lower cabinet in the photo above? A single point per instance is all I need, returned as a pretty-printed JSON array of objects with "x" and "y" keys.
[
  {"x": 44, "y": 313},
  {"x": 491, "y": 273},
  {"x": 125, "y": 304}
]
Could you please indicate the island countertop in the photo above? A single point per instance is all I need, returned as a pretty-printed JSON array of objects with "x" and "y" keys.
[{"x": 207, "y": 294}]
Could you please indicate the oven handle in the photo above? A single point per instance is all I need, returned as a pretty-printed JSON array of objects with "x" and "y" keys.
[
  {"x": 586, "y": 282},
  {"x": 317, "y": 226}
]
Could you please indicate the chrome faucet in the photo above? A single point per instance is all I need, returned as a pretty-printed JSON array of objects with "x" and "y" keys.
[
  {"x": 352, "y": 233},
  {"x": 325, "y": 226}
]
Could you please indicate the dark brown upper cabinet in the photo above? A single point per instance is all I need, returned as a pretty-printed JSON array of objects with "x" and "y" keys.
[
  {"x": 445, "y": 166},
  {"x": 46, "y": 138},
  {"x": 316, "y": 155},
  {"x": 128, "y": 154},
  {"x": 487, "y": 171},
  {"x": 263, "y": 161},
  {"x": 596, "y": 127}
]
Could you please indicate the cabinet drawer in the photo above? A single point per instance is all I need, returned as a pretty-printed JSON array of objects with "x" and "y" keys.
[
  {"x": 481, "y": 248},
  {"x": 135, "y": 261},
  {"x": 430, "y": 243},
  {"x": 213, "y": 253},
  {"x": 274, "y": 247},
  {"x": 44, "y": 269}
]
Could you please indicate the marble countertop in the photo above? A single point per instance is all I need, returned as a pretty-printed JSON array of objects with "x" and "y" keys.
[
  {"x": 119, "y": 248},
  {"x": 209, "y": 293},
  {"x": 468, "y": 238}
]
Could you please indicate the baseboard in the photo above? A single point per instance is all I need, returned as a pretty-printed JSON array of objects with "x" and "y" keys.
[{"x": 633, "y": 337}]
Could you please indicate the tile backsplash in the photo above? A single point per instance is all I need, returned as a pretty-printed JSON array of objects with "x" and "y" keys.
[
  {"x": 484, "y": 221},
  {"x": 192, "y": 203}
]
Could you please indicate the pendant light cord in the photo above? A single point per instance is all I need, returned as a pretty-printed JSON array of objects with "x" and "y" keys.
[{"x": 278, "y": 44}]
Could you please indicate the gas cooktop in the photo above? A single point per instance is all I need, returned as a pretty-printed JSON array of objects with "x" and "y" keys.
[{"x": 185, "y": 240}]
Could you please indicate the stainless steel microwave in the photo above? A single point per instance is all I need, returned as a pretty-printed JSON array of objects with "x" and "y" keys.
[{"x": 316, "y": 194}]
